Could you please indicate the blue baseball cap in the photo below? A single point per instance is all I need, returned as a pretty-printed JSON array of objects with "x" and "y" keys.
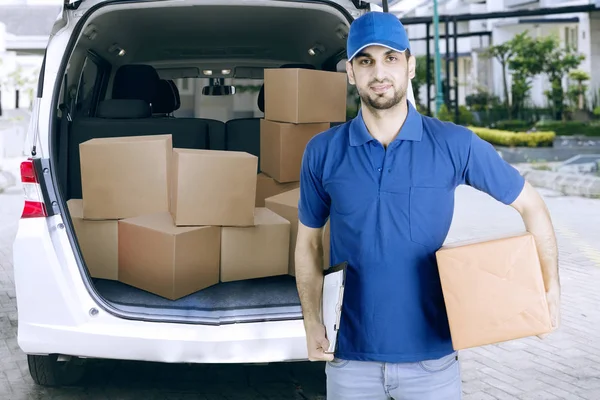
[{"x": 376, "y": 28}]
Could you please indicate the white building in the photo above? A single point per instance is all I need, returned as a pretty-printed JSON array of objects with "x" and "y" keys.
[
  {"x": 24, "y": 29},
  {"x": 573, "y": 29}
]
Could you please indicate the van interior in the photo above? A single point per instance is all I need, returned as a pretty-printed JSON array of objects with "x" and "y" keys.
[{"x": 200, "y": 69}]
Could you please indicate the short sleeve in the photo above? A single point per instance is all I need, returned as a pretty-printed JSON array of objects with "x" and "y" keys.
[
  {"x": 314, "y": 202},
  {"x": 488, "y": 172}
]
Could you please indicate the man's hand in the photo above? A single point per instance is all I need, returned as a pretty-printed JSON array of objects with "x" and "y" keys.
[
  {"x": 553, "y": 298},
  {"x": 537, "y": 221},
  {"x": 317, "y": 342},
  {"x": 309, "y": 280}
]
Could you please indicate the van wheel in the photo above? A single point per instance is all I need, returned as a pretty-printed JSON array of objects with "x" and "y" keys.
[{"x": 49, "y": 371}]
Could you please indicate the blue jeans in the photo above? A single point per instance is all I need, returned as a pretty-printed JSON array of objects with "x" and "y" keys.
[{"x": 426, "y": 380}]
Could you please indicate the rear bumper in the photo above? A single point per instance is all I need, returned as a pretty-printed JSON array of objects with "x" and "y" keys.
[
  {"x": 57, "y": 314},
  {"x": 174, "y": 343}
]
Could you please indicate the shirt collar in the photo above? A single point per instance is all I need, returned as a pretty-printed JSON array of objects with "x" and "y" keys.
[{"x": 411, "y": 130}]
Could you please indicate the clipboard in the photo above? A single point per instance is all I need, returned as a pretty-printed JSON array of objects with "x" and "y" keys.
[{"x": 334, "y": 281}]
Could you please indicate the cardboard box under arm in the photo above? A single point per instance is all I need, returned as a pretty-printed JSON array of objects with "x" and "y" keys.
[{"x": 493, "y": 290}]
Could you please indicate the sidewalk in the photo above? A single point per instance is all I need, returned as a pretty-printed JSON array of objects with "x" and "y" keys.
[
  {"x": 10, "y": 173},
  {"x": 566, "y": 365}
]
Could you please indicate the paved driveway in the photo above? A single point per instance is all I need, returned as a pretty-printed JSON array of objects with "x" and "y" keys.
[{"x": 564, "y": 366}]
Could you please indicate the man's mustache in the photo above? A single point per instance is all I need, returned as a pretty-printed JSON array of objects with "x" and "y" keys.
[{"x": 378, "y": 82}]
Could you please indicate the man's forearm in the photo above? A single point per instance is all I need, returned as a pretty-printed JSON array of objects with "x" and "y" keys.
[
  {"x": 539, "y": 224},
  {"x": 536, "y": 218},
  {"x": 309, "y": 279}
]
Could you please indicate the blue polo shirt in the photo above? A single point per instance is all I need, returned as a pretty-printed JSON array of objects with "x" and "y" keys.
[{"x": 390, "y": 211}]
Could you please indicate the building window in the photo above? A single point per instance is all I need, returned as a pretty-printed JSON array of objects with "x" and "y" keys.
[{"x": 571, "y": 37}]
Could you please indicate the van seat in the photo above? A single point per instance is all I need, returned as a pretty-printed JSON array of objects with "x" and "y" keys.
[
  {"x": 136, "y": 91},
  {"x": 243, "y": 134},
  {"x": 167, "y": 99},
  {"x": 135, "y": 82},
  {"x": 119, "y": 118}
]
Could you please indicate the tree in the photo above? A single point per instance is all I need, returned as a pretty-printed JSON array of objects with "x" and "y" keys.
[
  {"x": 556, "y": 64},
  {"x": 420, "y": 78},
  {"x": 524, "y": 65},
  {"x": 503, "y": 53},
  {"x": 579, "y": 91}
]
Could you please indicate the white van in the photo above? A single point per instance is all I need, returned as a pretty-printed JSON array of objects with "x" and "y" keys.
[{"x": 64, "y": 315}]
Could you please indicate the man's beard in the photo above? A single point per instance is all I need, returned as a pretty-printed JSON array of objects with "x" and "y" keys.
[{"x": 380, "y": 102}]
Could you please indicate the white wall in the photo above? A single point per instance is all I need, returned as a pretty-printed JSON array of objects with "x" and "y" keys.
[
  {"x": 10, "y": 62},
  {"x": 563, "y": 3}
]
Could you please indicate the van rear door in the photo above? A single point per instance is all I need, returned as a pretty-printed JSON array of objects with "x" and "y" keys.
[{"x": 352, "y": 6}]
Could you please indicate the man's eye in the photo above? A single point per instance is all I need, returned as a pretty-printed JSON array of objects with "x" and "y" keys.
[{"x": 392, "y": 58}]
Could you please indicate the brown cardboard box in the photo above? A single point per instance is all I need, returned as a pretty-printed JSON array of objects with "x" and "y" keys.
[
  {"x": 258, "y": 251},
  {"x": 170, "y": 261},
  {"x": 282, "y": 146},
  {"x": 212, "y": 187},
  {"x": 125, "y": 177},
  {"x": 98, "y": 241},
  {"x": 286, "y": 205},
  {"x": 267, "y": 187},
  {"x": 305, "y": 96},
  {"x": 493, "y": 290}
]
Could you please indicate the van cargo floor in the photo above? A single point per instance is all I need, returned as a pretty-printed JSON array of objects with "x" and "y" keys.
[{"x": 229, "y": 300}]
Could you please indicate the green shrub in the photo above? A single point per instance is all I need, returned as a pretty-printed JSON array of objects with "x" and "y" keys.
[
  {"x": 569, "y": 128},
  {"x": 515, "y": 125},
  {"x": 351, "y": 112},
  {"x": 466, "y": 117},
  {"x": 513, "y": 139},
  {"x": 481, "y": 101}
]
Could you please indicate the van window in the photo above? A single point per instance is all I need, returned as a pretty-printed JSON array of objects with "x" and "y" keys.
[
  {"x": 85, "y": 88},
  {"x": 185, "y": 86},
  {"x": 242, "y": 104}
]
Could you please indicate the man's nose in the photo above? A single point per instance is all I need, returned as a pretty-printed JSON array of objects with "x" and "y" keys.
[{"x": 379, "y": 72}]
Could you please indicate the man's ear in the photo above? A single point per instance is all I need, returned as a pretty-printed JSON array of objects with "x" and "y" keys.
[
  {"x": 412, "y": 66},
  {"x": 350, "y": 73}
]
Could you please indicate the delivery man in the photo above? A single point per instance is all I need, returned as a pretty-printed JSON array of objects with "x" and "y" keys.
[{"x": 386, "y": 182}]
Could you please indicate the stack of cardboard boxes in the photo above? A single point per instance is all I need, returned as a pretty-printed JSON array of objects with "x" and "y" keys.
[
  {"x": 299, "y": 104},
  {"x": 175, "y": 221}
]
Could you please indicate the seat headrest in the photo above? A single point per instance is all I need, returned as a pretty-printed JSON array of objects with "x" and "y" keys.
[
  {"x": 135, "y": 81},
  {"x": 123, "y": 109},
  {"x": 261, "y": 93},
  {"x": 176, "y": 94},
  {"x": 167, "y": 98}
]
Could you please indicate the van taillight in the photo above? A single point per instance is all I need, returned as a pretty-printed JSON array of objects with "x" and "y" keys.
[{"x": 34, "y": 202}]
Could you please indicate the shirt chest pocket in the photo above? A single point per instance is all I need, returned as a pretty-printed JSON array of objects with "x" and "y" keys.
[{"x": 430, "y": 214}]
